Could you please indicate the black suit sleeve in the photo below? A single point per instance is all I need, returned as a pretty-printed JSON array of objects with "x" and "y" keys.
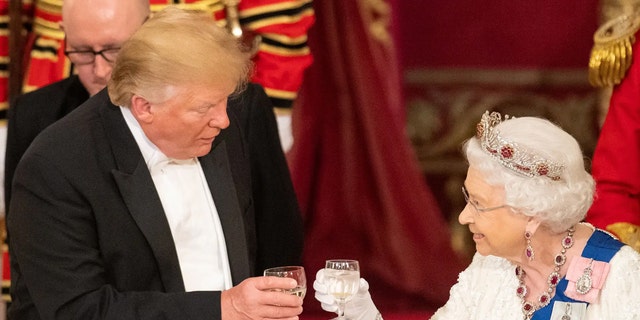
[
  {"x": 31, "y": 113},
  {"x": 19, "y": 136},
  {"x": 278, "y": 219},
  {"x": 10, "y": 160}
]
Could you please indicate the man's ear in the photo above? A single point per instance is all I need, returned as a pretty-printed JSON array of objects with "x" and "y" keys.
[{"x": 141, "y": 109}]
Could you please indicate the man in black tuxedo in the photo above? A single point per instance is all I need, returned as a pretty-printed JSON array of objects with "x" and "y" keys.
[{"x": 163, "y": 196}]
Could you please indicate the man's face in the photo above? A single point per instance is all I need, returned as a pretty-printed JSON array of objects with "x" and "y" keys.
[
  {"x": 185, "y": 125},
  {"x": 96, "y": 29}
]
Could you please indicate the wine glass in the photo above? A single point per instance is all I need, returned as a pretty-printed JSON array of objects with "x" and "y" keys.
[
  {"x": 343, "y": 281},
  {"x": 293, "y": 272}
]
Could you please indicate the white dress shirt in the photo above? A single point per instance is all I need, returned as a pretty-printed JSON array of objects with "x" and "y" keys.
[{"x": 191, "y": 213}]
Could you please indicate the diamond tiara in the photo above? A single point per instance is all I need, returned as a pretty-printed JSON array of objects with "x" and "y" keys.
[{"x": 510, "y": 154}]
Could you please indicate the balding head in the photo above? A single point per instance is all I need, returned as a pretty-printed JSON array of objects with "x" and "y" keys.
[
  {"x": 95, "y": 25},
  {"x": 95, "y": 12}
]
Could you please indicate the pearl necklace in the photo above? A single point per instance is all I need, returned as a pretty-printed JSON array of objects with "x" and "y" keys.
[{"x": 528, "y": 307}]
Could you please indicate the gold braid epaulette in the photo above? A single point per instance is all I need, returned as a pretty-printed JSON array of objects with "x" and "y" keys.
[
  {"x": 627, "y": 232},
  {"x": 611, "y": 54}
]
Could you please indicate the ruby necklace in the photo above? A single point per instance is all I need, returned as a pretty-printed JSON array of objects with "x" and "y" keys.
[{"x": 528, "y": 307}]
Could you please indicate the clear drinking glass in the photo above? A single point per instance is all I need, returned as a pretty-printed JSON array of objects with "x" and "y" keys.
[
  {"x": 293, "y": 272},
  {"x": 343, "y": 281}
]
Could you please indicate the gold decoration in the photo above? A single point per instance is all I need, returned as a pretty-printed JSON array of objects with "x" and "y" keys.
[
  {"x": 627, "y": 232},
  {"x": 611, "y": 54},
  {"x": 378, "y": 15},
  {"x": 233, "y": 17}
]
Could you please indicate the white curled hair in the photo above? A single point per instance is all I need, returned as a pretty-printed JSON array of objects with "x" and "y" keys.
[{"x": 557, "y": 204}]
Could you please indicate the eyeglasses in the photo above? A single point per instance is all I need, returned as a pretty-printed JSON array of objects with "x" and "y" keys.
[
  {"x": 475, "y": 206},
  {"x": 89, "y": 56}
]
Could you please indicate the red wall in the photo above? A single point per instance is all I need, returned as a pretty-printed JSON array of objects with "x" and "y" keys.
[{"x": 495, "y": 34}]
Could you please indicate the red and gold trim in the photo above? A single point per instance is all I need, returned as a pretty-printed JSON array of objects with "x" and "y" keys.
[
  {"x": 6, "y": 274},
  {"x": 4, "y": 54},
  {"x": 283, "y": 53},
  {"x": 211, "y": 7}
]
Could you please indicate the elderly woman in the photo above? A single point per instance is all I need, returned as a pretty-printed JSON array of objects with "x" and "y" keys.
[{"x": 527, "y": 192}]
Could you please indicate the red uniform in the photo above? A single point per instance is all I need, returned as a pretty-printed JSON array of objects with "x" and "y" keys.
[{"x": 616, "y": 161}]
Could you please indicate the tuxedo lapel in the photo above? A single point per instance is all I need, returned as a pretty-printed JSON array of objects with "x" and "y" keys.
[
  {"x": 141, "y": 198},
  {"x": 218, "y": 173}
]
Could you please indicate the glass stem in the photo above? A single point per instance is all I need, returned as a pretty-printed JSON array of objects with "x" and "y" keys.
[{"x": 341, "y": 304}]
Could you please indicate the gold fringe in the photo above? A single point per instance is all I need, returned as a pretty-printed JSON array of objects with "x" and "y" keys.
[
  {"x": 207, "y": 6},
  {"x": 611, "y": 54},
  {"x": 282, "y": 111},
  {"x": 281, "y": 94},
  {"x": 628, "y": 233}
]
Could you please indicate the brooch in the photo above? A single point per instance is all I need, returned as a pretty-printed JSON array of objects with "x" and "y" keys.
[{"x": 586, "y": 277}]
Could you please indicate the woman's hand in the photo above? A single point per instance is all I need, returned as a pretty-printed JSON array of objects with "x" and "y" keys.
[{"x": 360, "y": 307}]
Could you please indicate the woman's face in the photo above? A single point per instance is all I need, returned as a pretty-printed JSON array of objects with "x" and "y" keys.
[{"x": 497, "y": 229}]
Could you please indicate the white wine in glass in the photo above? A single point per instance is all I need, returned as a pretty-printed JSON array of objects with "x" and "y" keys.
[
  {"x": 343, "y": 281},
  {"x": 293, "y": 272}
]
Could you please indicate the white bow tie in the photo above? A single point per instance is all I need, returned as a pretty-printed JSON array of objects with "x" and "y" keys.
[{"x": 159, "y": 165}]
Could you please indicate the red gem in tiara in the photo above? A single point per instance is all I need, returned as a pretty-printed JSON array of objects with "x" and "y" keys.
[
  {"x": 506, "y": 152},
  {"x": 542, "y": 169}
]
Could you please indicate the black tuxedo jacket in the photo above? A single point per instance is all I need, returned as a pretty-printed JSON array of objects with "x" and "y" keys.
[
  {"x": 31, "y": 113},
  {"x": 89, "y": 237}
]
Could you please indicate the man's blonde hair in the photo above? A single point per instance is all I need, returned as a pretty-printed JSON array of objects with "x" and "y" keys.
[{"x": 176, "y": 47}]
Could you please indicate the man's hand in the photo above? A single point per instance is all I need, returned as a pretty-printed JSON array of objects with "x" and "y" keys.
[{"x": 261, "y": 298}]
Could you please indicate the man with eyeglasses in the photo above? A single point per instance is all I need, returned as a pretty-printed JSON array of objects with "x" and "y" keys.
[
  {"x": 94, "y": 32},
  {"x": 98, "y": 70}
]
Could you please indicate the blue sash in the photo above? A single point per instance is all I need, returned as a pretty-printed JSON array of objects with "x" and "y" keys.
[{"x": 601, "y": 247}]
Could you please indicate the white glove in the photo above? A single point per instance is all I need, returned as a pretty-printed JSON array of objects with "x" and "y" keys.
[
  {"x": 285, "y": 131},
  {"x": 360, "y": 307}
]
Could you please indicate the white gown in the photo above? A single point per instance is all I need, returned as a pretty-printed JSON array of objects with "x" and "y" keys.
[{"x": 486, "y": 290}]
